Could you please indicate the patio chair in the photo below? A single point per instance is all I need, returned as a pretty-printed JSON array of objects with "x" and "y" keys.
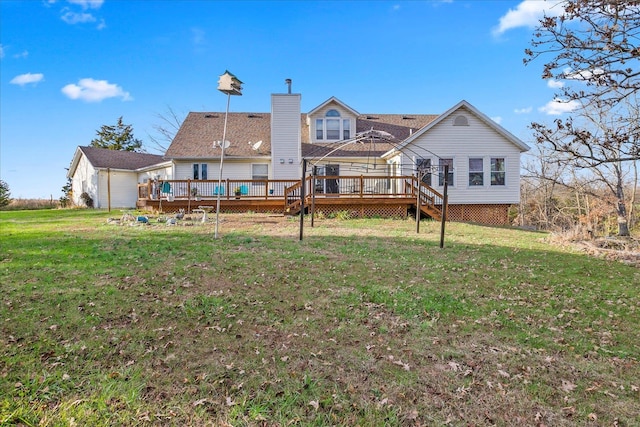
[
  {"x": 218, "y": 190},
  {"x": 167, "y": 191}
]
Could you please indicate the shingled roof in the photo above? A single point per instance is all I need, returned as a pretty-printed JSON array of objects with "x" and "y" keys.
[
  {"x": 128, "y": 160},
  {"x": 200, "y": 131}
]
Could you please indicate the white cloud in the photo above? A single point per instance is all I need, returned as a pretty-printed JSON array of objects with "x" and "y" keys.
[
  {"x": 558, "y": 106},
  {"x": 497, "y": 119},
  {"x": 77, "y": 18},
  {"x": 78, "y": 13},
  {"x": 87, "y": 4},
  {"x": 525, "y": 110},
  {"x": 555, "y": 84},
  {"x": 28, "y": 78},
  {"x": 582, "y": 74},
  {"x": 1, "y": 51},
  {"x": 527, "y": 14},
  {"x": 91, "y": 90}
]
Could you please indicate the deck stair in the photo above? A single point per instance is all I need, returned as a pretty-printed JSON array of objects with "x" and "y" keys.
[{"x": 430, "y": 199}]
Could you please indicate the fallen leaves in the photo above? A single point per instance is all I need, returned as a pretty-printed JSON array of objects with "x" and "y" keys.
[{"x": 398, "y": 362}]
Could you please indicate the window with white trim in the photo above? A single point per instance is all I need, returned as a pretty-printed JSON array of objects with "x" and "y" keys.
[
  {"x": 199, "y": 171},
  {"x": 498, "y": 171},
  {"x": 423, "y": 169},
  {"x": 441, "y": 164},
  {"x": 476, "y": 172},
  {"x": 259, "y": 171},
  {"x": 333, "y": 127}
]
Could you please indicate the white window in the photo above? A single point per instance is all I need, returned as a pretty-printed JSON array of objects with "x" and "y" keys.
[
  {"x": 259, "y": 171},
  {"x": 441, "y": 164},
  {"x": 319, "y": 129},
  {"x": 423, "y": 169},
  {"x": 332, "y": 127},
  {"x": 476, "y": 172},
  {"x": 346, "y": 129},
  {"x": 498, "y": 171},
  {"x": 199, "y": 171}
]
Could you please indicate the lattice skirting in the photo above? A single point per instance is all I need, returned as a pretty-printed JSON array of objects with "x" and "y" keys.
[
  {"x": 362, "y": 211},
  {"x": 482, "y": 214},
  {"x": 174, "y": 207}
]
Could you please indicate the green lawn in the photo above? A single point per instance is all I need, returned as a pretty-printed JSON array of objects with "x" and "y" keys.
[{"x": 364, "y": 322}]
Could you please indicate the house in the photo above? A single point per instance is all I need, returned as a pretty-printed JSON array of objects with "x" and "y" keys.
[
  {"x": 110, "y": 177},
  {"x": 483, "y": 157},
  {"x": 370, "y": 164}
]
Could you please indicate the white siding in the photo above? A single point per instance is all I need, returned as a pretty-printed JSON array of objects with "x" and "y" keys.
[
  {"x": 460, "y": 143},
  {"x": 285, "y": 136},
  {"x": 160, "y": 173},
  {"x": 84, "y": 180},
  {"x": 232, "y": 169},
  {"x": 121, "y": 184},
  {"x": 321, "y": 114}
]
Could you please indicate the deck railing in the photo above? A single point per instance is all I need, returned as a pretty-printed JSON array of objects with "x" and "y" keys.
[
  {"x": 290, "y": 191},
  {"x": 210, "y": 189},
  {"x": 360, "y": 186}
]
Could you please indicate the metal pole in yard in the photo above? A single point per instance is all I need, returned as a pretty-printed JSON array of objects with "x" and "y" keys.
[
  {"x": 222, "y": 144},
  {"x": 444, "y": 205},
  {"x": 313, "y": 195},
  {"x": 302, "y": 196},
  {"x": 418, "y": 202},
  {"x": 229, "y": 84}
]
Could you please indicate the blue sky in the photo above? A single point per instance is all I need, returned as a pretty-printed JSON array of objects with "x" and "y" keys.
[{"x": 67, "y": 67}]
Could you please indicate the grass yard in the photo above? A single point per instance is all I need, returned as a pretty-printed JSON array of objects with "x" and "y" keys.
[{"x": 364, "y": 322}]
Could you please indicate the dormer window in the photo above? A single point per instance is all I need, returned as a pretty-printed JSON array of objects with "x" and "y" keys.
[{"x": 333, "y": 127}]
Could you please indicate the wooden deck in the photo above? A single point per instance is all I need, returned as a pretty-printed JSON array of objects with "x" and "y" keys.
[{"x": 359, "y": 196}]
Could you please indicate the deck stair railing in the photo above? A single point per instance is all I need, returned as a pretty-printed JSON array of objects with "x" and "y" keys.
[
  {"x": 430, "y": 199},
  {"x": 293, "y": 199}
]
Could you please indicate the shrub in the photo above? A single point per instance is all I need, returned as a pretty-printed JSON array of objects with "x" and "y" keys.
[
  {"x": 343, "y": 215},
  {"x": 86, "y": 198}
]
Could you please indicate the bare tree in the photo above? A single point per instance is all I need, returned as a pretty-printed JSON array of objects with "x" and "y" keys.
[
  {"x": 596, "y": 143},
  {"x": 595, "y": 49},
  {"x": 165, "y": 130},
  {"x": 543, "y": 175},
  {"x": 595, "y": 43}
]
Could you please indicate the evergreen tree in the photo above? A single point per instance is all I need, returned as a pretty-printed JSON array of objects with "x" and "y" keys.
[
  {"x": 5, "y": 194},
  {"x": 119, "y": 137}
]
